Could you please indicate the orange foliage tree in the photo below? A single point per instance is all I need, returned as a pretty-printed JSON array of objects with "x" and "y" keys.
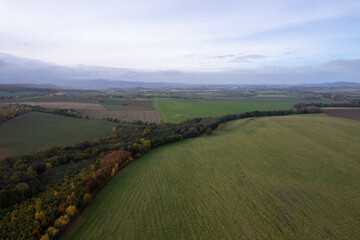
[
  {"x": 108, "y": 166},
  {"x": 221, "y": 127}
]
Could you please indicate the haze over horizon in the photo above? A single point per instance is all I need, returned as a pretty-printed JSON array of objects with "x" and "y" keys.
[{"x": 281, "y": 41}]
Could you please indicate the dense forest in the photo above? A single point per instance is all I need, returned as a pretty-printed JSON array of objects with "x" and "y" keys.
[{"x": 41, "y": 192}]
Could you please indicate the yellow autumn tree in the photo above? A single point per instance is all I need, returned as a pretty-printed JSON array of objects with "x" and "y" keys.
[
  {"x": 45, "y": 237},
  {"x": 72, "y": 187},
  {"x": 72, "y": 211},
  {"x": 51, "y": 231},
  {"x": 40, "y": 215},
  {"x": 87, "y": 198},
  {"x": 145, "y": 143},
  {"x": 62, "y": 221},
  {"x": 37, "y": 204}
]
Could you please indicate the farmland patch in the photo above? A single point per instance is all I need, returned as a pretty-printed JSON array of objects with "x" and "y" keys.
[
  {"x": 177, "y": 111},
  {"x": 36, "y": 131}
]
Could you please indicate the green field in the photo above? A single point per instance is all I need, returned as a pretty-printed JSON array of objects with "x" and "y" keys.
[
  {"x": 290, "y": 177},
  {"x": 35, "y": 131},
  {"x": 128, "y": 104},
  {"x": 177, "y": 111}
]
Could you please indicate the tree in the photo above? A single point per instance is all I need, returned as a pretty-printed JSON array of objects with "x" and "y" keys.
[
  {"x": 35, "y": 233},
  {"x": 145, "y": 143},
  {"x": 51, "y": 231},
  {"x": 37, "y": 207},
  {"x": 40, "y": 215},
  {"x": 45, "y": 237},
  {"x": 87, "y": 198},
  {"x": 71, "y": 211},
  {"x": 62, "y": 221},
  {"x": 208, "y": 131},
  {"x": 221, "y": 127}
]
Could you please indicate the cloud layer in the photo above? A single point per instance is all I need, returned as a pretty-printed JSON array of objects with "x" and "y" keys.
[{"x": 197, "y": 36}]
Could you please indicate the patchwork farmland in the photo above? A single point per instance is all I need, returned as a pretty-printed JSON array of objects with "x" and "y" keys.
[{"x": 290, "y": 177}]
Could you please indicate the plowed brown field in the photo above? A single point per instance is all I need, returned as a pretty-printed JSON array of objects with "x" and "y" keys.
[{"x": 344, "y": 113}]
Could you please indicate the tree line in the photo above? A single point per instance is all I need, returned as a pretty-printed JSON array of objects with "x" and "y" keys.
[{"x": 354, "y": 104}]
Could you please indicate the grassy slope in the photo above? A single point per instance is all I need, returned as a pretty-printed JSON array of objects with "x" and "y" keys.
[
  {"x": 35, "y": 131},
  {"x": 178, "y": 111},
  {"x": 293, "y": 177}
]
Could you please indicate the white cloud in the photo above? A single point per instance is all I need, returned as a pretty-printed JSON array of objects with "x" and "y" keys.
[{"x": 161, "y": 34}]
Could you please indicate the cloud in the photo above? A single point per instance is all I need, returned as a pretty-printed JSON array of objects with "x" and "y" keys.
[
  {"x": 247, "y": 58},
  {"x": 342, "y": 65},
  {"x": 224, "y": 56},
  {"x": 158, "y": 35}
]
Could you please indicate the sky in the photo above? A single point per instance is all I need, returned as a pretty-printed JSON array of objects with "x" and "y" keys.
[{"x": 183, "y": 35}]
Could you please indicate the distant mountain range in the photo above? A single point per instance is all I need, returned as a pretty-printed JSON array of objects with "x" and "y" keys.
[
  {"x": 335, "y": 84},
  {"x": 18, "y": 70}
]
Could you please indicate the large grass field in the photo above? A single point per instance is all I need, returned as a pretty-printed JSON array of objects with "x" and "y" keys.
[
  {"x": 290, "y": 177},
  {"x": 177, "y": 111},
  {"x": 35, "y": 131}
]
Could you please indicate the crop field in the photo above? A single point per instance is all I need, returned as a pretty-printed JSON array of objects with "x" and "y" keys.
[
  {"x": 36, "y": 131},
  {"x": 344, "y": 113},
  {"x": 177, "y": 111},
  {"x": 128, "y": 104},
  {"x": 290, "y": 177},
  {"x": 129, "y": 112}
]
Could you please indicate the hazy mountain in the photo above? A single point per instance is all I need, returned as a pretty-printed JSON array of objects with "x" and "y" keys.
[
  {"x": 15, "y": 70},
  {"x": 335, "y": 84}
]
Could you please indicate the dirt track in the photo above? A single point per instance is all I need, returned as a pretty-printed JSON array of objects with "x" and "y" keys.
[{"x": 343, "y": 113}]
